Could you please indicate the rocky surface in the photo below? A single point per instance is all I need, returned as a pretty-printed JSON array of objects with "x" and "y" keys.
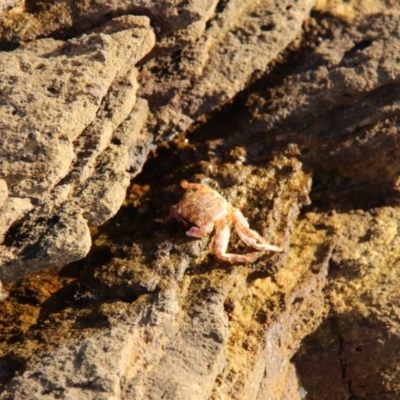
[
  {"x": 57, "y": 200},
  {"x": 71, "y": 119},
  {"x": 354, "y": 352},
  {"x": 241, "y": 39},
  {"x": 200, "y": 348},
  {"x": 176, "y": 22},
  {"x": 341, "y": 104},
  {"x": 11, "y": 5},
  {"x": 309, "y": 151}
]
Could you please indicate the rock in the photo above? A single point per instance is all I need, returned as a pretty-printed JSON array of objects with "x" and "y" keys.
[
  {"x": 353, "y": 352},
  {"x": 3, "y": 192},
  {"x": 241, "y": 39},
  {"x": 76, "y": 157},
  {"x": 3, "y": 293},
  {"x": 175, "y": 22},
  {"x": 11, "y": 5},
  {"x": 85, "y": 89},
  {"x": 138, "y": 348},
  {"x": 341, "y": 104},
  {"x": 151, "y": 313},
  {"x": 13, "y": 210},
  {"x": 102, "y": 194}
]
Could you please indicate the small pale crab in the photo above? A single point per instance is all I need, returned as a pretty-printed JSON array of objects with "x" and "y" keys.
[{"x": 204, "y": 209}]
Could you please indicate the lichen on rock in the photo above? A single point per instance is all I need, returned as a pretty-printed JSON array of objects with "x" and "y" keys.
[{"x": 289, "y": 110}]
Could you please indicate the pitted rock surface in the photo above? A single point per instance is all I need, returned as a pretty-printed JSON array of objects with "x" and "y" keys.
[
  {"x": 241, "y": 39},
  {"x": 183, "y": 360},
  {"x": 70, "y": 117},
  {"x": 339, "y": 103},
  {"x": 66, "y": 145},
  {"x": 151, "y": 313},
  {"x": 8, "y": 5},
  {"x": 175, "y": 22}
]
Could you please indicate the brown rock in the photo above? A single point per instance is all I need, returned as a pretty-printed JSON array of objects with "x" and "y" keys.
[
  {"x": 354, "y": 352},
  {"x": 11, "y": 5},
  {"x": 176, "y": 23},
  {"x": 3, "y": 192},
  {"x": 241, "y": 39},
  {"x": 150, "y": 313},
  {"x": 341, "y": 104},
  {"x": 85, "y": 89},
  {"x": 138, "y": 348}
]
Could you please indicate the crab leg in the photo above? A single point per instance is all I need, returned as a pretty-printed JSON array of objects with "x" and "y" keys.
[
  {"x": 174, "y": 213},
  {"x": 165, "y": 220},
  {"x": 200, "y": 232},
  {"x": 220, "y": 245},
  {"x": 250, "y": 237},
  {"x": 186, "y": 185}
]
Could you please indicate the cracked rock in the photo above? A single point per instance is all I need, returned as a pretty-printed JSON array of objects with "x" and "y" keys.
[
  {"x": 241, "y": 39},
  {"x": 72, "y": 123},
  {"x": 175, "y": 22}
]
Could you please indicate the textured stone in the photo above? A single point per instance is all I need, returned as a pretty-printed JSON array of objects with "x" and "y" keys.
[
  {"x": 103, "y": 193},
  {"x": 3, "y": 192},
  {"x": 11, "y": 5},
  {"x": 354, "y": 352},
  {"x": 13, "y": 210},
  {"x": 138, "y": 349},
  {"x": 341, "y": 103},
  {"x": 75, "y": 156},
  {"x": 176, "y": 22},
  {"x": 151, "y": 313},
  {"x": 241, "y": 39}
]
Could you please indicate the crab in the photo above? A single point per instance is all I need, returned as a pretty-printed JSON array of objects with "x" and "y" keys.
[{"x": 204, "y": 209}]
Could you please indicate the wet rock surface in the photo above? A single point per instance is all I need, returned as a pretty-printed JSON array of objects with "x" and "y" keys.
[{"x": 308, "y": 152}]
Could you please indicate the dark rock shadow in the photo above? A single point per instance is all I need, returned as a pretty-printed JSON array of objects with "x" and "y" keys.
[
  {"x": 348, "y": 357},
  {"x": 10, "y": 365}
]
